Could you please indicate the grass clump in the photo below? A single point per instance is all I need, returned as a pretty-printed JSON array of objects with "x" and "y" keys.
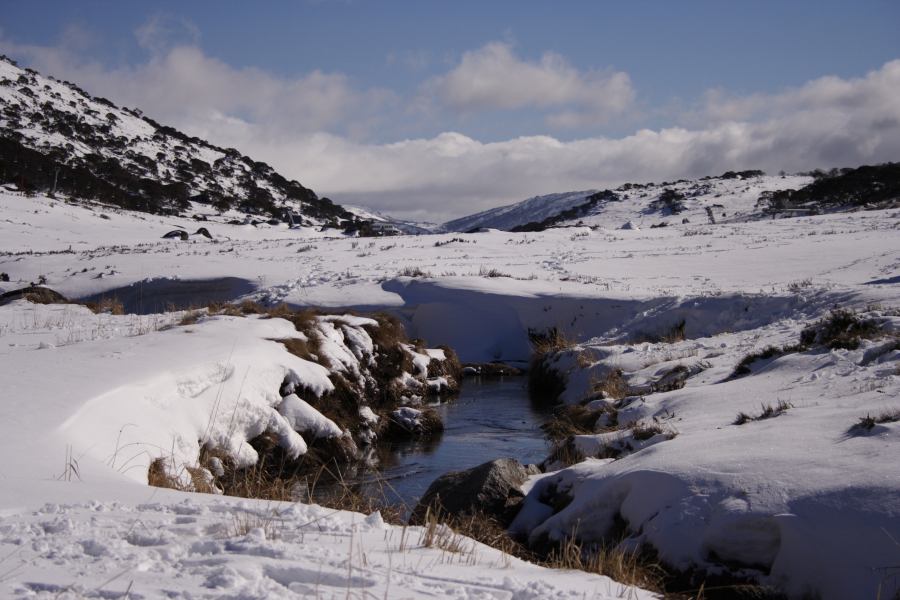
[
  {"x": 868, "y": 422},
  {"x": 491, "y": 273},
  {"x": 842, "y": 328},
  {"x": 411, "y": 271},
  {"x": 574, "y": 420},
  {"x": 611, "y": 384},
  {"x": 768, "y": 411},
  {"x": 624, "y": 566},
  {"x": 743, "y": 367}
]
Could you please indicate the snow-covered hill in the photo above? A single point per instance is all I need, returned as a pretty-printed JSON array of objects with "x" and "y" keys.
[
  {"x": 796, "y": 500},
  {"x": 732, "y": 196},
  {"x": 508, "y": 217},
  {"x": 55, "y": 136},
  {"x": 390, "y": 225}
]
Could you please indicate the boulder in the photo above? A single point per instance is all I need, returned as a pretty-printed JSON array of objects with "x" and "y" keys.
[
  {"x": 492, "y": 488},
  {"x": 176, "y": 234},
  {"x": 35, "y": 294}
]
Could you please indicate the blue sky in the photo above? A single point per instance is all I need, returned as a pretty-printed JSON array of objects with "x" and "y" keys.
[{"x": 474, "y": 86}]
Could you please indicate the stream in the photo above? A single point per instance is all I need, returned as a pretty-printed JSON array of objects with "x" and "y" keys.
[{"x": 492, "y": 418}]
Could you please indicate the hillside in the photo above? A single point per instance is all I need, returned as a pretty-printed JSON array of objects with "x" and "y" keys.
[
  {"x": 57, "y": 138},
  {"x": 732, "y": 196}
]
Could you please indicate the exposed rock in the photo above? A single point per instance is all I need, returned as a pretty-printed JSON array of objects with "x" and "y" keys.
[
  {"x": 492, "y": 488},
  {"x": 204, "y": 232},
  {"x": 35, "y": 294},
  {"x": 176, "y": 234},
  {"x": 408, "y": 423},
  {"x": 490, "y": 370}
]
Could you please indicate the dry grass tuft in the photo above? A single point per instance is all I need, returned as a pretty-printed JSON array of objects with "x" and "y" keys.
[
  {"x": 575, "y": 420},
  {"x": 611, "y": 384},
  {"x": 768, "y": 411},
  {"x": 623, "y": 566},
  {"x": 869, "y": 422},
  {"x": 564, "y": 453},
  {"x": 549, "y": 341},
  {"x": 158, "y": 476},
  {"x": 243, "y": 523}
]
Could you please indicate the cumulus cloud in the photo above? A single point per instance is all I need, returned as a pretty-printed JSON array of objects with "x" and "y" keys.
[
  {"x": 829, "y": 122},
  {"x": 180, "y": 85},
  {"x": 309, "y": 128},
  {"x": 162, "y": 32},
  {"x": 493, "y": 77}
]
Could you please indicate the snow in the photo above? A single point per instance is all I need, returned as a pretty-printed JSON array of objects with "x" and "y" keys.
[
  {"x": 304, "y": 418},
  {"x": 799, "y": 499},
  {"x": 796, "y": 499},
  {"x": 162, "y": 544}
]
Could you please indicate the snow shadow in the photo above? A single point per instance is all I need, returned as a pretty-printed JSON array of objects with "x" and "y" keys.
[{"x": 159, "y": 295}]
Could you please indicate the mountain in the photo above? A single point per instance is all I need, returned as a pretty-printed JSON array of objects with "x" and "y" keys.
[
  {"x": 512, "y": 215},
  {"x": 57, "y": 138},
  {"x": 732, "y": 196},
  {"x": 388, "y": 224}
]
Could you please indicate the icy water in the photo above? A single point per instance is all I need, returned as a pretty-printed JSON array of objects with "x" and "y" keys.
[
  {"x": 490, "y": 419},
  {"x": 160, "y": 295}
]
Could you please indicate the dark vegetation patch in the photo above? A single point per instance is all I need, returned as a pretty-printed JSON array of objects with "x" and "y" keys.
[
  {"x": 117, "y": 171},
  {"x": 871, "y": 187},
  {"x": 842, "y": 328},
  {"x": 668, "y": 335},
  {"x": 586, "y": 208},
  {"x": 670, "y": 202},
  {"x": 543, "y": 380}
]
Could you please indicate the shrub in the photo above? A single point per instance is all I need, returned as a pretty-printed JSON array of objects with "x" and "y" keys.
[{"x": 842, "y": 328}]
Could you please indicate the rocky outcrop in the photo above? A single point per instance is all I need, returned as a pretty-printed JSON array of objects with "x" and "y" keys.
[
  {"x": 492, "y": 488},
  {"x": 35, "y": 294}
]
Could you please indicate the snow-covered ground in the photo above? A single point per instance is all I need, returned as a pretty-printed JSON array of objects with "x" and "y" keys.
[
  {"x": 89, "y": 400},
  {"x": 794, "y": 499}
]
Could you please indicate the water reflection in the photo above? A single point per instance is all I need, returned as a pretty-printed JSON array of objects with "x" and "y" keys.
[{"x": 490, "y": 419}]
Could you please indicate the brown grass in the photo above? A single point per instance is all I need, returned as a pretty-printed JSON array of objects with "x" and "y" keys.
[
  {"x": 574, "y": 420},
  {"x": 768, "y": 411},
  {"x": 549, "y": 341},
  {"x": 623, "y": 566},
  {"x": 611, "y": 384},
  {"x": 564, "y": 453},
  {"x": 158, "y": 476}
]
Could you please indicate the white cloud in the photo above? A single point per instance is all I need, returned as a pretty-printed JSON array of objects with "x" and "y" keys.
[
  {"x": 493, "y": 77},
  {"x": 162, "y": 32},
  {"x": 182, "y": 86},
  {"x": 306, "y": 127}
]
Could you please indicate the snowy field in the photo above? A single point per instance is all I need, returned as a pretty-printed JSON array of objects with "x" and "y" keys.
[{"x": 801, "y": 500}]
